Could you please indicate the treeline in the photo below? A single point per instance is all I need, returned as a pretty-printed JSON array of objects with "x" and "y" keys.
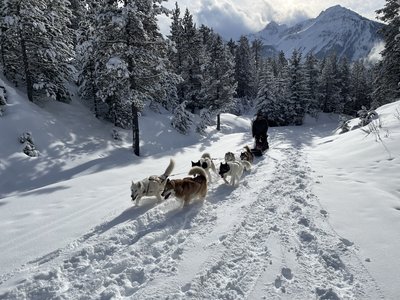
[{"x": 120, "y": 61}]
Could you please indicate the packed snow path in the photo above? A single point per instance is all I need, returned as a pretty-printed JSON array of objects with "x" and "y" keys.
[{"x": 269, "y": 238}]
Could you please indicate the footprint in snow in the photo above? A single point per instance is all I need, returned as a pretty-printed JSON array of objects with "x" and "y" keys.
[
  {"x": 304, "y": 221},
  {"x": 287, "y": 273}
]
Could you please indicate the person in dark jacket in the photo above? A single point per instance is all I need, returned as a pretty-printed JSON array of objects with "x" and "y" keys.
[{"x": 259, "y": 130}]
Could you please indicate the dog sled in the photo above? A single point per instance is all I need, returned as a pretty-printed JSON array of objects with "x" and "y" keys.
[{"x": 260, "y": 147}]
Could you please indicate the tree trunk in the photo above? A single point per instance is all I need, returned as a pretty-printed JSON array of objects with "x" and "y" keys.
[
  {"x": 94, "y": 91},
  {"x": 29, "y": 85},
  {"x": 3, "y": 59},
  {"x": 135, "y": 130},
  {"x": 219, "y": 122}
]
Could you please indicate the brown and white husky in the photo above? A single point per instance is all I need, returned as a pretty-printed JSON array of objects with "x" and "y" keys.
[{"x": 188, "y": 188}]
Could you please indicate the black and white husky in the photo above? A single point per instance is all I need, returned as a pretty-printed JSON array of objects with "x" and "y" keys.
[
  {"x": 152, "y": 185},
  {"x": 234, "y": 169},
  {"x": 207, "y": 164}
]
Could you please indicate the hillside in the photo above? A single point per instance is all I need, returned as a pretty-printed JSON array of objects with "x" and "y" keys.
[
  {"x": 316, "y": 217},
  {"x": 337, "y": 29}
]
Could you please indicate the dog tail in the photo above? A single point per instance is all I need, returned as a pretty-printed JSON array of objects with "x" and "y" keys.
[
  {"x": 246, "y": 165},
  {"x": 247, "y": 148},
  {"x": 169, "y": 169},
  {"x": 198, "y": 171}
]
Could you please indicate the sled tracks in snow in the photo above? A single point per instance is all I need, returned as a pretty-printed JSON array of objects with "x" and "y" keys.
[
  {"x": 279, "y": 245},
  {"x": 285, "y": 248}
]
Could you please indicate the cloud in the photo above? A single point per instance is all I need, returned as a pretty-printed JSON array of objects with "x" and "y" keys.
[
  {"x": 232, "y": 18},
  {"x": 375, "y": 54}
]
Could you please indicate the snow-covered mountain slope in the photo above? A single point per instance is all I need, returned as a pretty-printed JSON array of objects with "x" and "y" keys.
[
  {"x": 316, "y": 217},
  {"x": 337, "y": 29}
]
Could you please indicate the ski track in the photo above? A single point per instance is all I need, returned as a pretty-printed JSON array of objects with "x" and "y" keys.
[{"x": 278, "y": 245}]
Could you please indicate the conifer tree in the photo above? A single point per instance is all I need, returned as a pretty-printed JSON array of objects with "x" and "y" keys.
[
  {"x": 311, "y": 83},
  {"x": 244, "y": 69},
  {"x": 282, "y": 88},
  {"x": 256, "y": 48},
  {"x": 176, "y": 36},
  {"x": 389, "y": 76},
  {"x": 181, "y": 120},
  {"x": 8, "y": 44},
  {"x": 220, "y": 84},
  {"x": 344, "y": 84},
  {"x": 232, "y": 47},
  {"x": 329, "y": 89},
  {"x": 192, "y": 63},
  {"x": 359, "y": 88},
  {"x": 297, "y": 101},
  {"x": 267, "y": 101},
  {"x": 42, "y": 46},
  {"x": 87, "y": 57},
  {"x": 131, "y": 57}
]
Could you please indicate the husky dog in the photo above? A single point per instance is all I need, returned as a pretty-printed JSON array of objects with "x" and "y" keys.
[
  {"x": 229, "y": 156},
  {"x": 188, "y": 188},
  {"x": 247, "y": 155},
  {"x": 206, "y": 163},
  {"x": 152, "y": 185},
  {"x": 234, "y": 169}
]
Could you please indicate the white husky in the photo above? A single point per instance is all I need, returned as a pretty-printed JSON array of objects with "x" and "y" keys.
[
  {"x": 207, "y": 164},
  {"x": 234, "y": 169},
  {"x": 152, "y": 185}
]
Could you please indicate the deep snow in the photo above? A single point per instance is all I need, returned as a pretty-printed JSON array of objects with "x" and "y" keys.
[{"x": 317, "y": 217}]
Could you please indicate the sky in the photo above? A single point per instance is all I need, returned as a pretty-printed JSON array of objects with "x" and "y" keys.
[
  {"x": 232, "y": 18},
  {"x": 317, "y": 214}
]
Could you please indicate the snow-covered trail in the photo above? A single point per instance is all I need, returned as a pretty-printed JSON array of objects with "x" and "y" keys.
[{"x": 269, "y": 238}]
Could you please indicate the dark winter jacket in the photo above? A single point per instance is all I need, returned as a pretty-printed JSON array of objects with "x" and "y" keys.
[{"x": 260, "y": 126}]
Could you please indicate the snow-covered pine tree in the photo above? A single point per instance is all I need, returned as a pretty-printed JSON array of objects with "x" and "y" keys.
[
  {"x": 43, "y": 45},
  {"x": 105, "y": 74},
  {"x": 232, "y": 47},
  {"x": 311, "y": 83},
  {"x": 176, "y": 36},
  {"x": 181, "y": 119},
  {"x": 297, "y": 101},
  {"x": 132, "y": 62},
  {"x": 219, "y": 84},
  {"x": 205, "y": 120},
  {"x": 267, "y": 100},
  {"x": 344, "y": 84},
  {"x": 8, "y": 45},
  {"x": 193, "y": 59},
  {"x": 86, "y": 56},
  {"x": 329, "y": 89},
  {"x": 78, "y": 14},
  {"x": 389, "y": 76},
  {"x": 360, "y": 88},
  {"x": 282, "y": 89},
  {"x": 256, "y": 49},
  {"x": 244, "y": 71},
  {"x": 57, "y": 63}
]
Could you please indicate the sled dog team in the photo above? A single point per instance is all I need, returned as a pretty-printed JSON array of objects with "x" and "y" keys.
[{"x": 196, "y": 185}]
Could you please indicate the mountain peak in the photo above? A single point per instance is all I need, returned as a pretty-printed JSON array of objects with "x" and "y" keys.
[
  {"x": 274, "y": 26},
  {"x": 338, "y": 11},
  {"x": 336, "y": 29}
]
